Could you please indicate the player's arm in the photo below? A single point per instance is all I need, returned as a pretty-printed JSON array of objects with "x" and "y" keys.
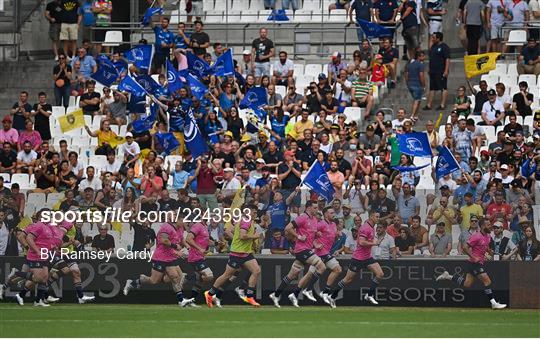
[
  {"x": 467, "y": 251},
  {"x": 364, "y": 242},
  {"x": 164, "y": 239},
  {"x": 290, "y": 232},
  {"x": 21, "y": 237},
  {"x": 245, "y": 236},
  {"x": 30, "y": 240},
  {"x": 190, "y": 241}
]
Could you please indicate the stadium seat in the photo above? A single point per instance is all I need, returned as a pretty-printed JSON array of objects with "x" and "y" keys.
[
  {"x": 517, "y": 38},
  {"x": 23, "y": 179},
  {"x": 528, "y": 121},
  {"x": 312, "y": 5},
  {"x": 6, "y": 176},
  {"x": 123, "y": 130},
  {"x": 281, "y": 90},
  {"x": 500, "y": 69},
  {"x": 298, "y": 69},
  {"x": 337, "y": 15},
  {"x": 53, "y": 198},
  {"x": 313, "y": 70},
  {"x": 71, "y": 109},
  {"x": 490, "y": 79},
  {"x": 352, "y": 114},
  {"x": 221, "y": 5},
  {"x": 512, "y": 69},
  {"x": 249, "y": 16},
  {"x": 530, "y": 79},
  {"x": 98, "y": 161},
  {"x": 302, "y": 16},
  {"x": 37, "y": 199},
  {"x": 58, "y": 111},
  {"x": 73, "y": 101},
  {"x": 113, "y": 38},
  {"x": 208, "y": 5},
  {"x": 490, "y": 132}
]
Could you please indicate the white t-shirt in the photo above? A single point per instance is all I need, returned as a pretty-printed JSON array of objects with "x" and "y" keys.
[
  {"x": 534, "y": 7},
  {"x": 487, "y": 176},
  {"x": 505, "y": 99},
  {"x": 131, "y": 149},
  {"x": 95, "y": 184},
  {"x": 75, "y": 169},
  {"x": 396, "y": 123},
  {"x": 113, "y": 168},
  {"x": 283, "y": 69},
  {"x": 450, "y": 183},
  {"x": 497, "y": 19},
  {"x": 383, "y": 250},
  {"x": 490, "y": 109},
  {"x": 344, "y": 96},
  {"x": 27, "y": 157},
  {"x": 350, "y": 242}
]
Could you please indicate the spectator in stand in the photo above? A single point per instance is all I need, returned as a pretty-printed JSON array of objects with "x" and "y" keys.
[
  {"x": 262, "y": 50},
  {"x": 164, "y": 41},
  {"x": 462, "y": 105},
  {"x": 181, "y": 40},
  {"x": 70, "y": 19},
  {"x": 362, "y": 93},
  {"x": 440, "y": 243},
  {"x": 497, "y": 13},
  {"x": 41, "y": 113},
  {"x": 435, "y": 11},
  {"x": 379, "y": 71},
  {"x": 529, "y": 247},
  {"x": 480, "y": 97},
  {"x": 286, "y": 4},
  {"x": 499, "y": 210},
  {"x": 88, "y": 19},
  {"x": 283, "y": 70},
  {"x": 29, "y": 135},
  {"x": 463, "y": 139},
  {"x": 87, "y": 63},
  {"x": 62, "y": 81},
  {"x": 411, "y": 26},
  {"x": 504, "y": 98},
  {"x": 21, "y": 111},
  {"x": 503, "y": 248},
  {"x": 362, "y": 10},
  {"x": 416, "y": 81},
  {"x": 472, "y": 18},
  {"x": 342, "y": 89},
  {"x": 492, "y": 111},
  {"x": 522, "y": 101},
  {"x": 385, "y": 12},
  {"x": 102, "y": 10},
  {"x": 439, "y": 66},
  {"x": 103, "y": 241},
  {"x": 278, "y": 244},
  {"x": 390, "y": 57},
  {"x": 53, "y": 13},
  {"x": 404, "y": 242},
  {"x": 335, "y": 66},
  {"x": 512, "y": 127},
  {"x": 90, "y": 100},
  {"x": 26, "y": 159},
  {"x": 420, "y": 236},
  {"x": 8, "y": 133},
  {"x": 8, "y": 159}
]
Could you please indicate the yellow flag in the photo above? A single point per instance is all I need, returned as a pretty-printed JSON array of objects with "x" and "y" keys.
[
  {"x": 479, "y": 63},
  {"x": 56, "y": 206},
  {"x": 116, "y": 226},
  {"x": 71, "y": 121},
  {"x": 118, "y": 140},
  {"x": 25, "y": 221},
  {"x": 438, "y": 123},
  {"x": 237, "y": 203}
]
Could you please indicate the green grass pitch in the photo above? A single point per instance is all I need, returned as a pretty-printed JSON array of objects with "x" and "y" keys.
[{"x": 243, "y": 321}]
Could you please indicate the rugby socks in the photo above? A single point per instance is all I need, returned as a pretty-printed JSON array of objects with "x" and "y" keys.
[
  {"x": 327, "y": 290},
  {"x": 41, "y": 292},
  {"x": 23, "y": 292},
  {"x": 195, "y": 291},
  {"x": 78, "y": 289},
  {"x": 340, "y": 286},
  {"x": 244, "y": 285},
  {"x": 180, "y": 296},
  {"x": 217, "y": 291},
  {"x": 458, "y": 279},
  {"x": 313, "y": 281},
  {"x": 191, "y": 276},
  {"x": 374, "y": 284},
  {"x": 250, "y": 292},
  {"x": 489, "y": 294},
  {"x": 284, "y": 282},
  {"x": 296, "y": 291}
]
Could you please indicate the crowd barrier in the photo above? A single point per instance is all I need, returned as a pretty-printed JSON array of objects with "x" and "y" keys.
[{"x": 407, "y": 283}]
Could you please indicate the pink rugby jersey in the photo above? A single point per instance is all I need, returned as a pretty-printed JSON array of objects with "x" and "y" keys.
[
  {"x": 201, "y": 238},
  {"x": 479, "y": 244},
  {"x": 326, "y": 238},
  {"x": 166, "y": 253},
  {"x": 43, "y": 238},
  {"x": 367, "y": 232},
  {"x": 305, "y": 226}
]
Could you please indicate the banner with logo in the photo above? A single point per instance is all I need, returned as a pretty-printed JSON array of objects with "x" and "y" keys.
[
  {"x": 477, "y": 64},
  {"x": 71, "y": 121}
]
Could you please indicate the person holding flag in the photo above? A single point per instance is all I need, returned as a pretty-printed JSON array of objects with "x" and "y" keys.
[
  {"x": 362, "y": 10},
  {"x": 164, "y": 43}
]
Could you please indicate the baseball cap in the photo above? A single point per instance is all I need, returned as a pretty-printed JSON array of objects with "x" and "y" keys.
[
  {"x": 370, "y": 128},
  {"x": 473, "y": 217},
  {"x": 504, "y": 167},
  {"x": 516, "y": 183},
  {"x": 229, "y": 134},
  {"x": 378, "y": 56},
  {"x": 334, "y": 126},
  {"x": 129, "y": 135},
  {"x": 228, "y": 169},
  {"x": 445, "y": 187},
  {"x": 7, "y": 118},
  {"x": 246, "y": 52},
  {"x": 289, "y": 153},
  {"x": 336, "y": 55},
  {"x": 498, "y": 224},
  {"x": 260, "y": 161},
  {"x": 388, "y": 123},
  {"x": 347, "y": 206},
  {"x": 492, "y": 92},
  {"x": 322, "y": 76},
  {"x": 484, "y": 152}
]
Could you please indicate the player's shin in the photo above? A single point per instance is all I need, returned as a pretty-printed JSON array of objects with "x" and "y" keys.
[
  {"x": 341, "y": 284},
  {"x": 284, "y": 282}
]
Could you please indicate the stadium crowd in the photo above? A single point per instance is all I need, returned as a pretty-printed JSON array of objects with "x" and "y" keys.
[{"x": 306, "y": 124}]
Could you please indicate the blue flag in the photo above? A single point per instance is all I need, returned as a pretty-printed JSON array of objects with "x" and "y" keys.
[
  {"x": 193, "y": 137},
  {"x": 197, "y": 66},
  {"x": 278, "y": 15},
  {"x": 106, "y": 73},
  {"x": 415, "y": 144},
  {"x": 446, "y": 163},
  {"x": 409, "y": 168},
  {"x": 141, "y": 56},
  {"x": 259, "y": 112},
  {"x": 146, "y": 123},
  {"x": 198, "y": 89},
  {"x": 167, "y": 141},
  {"x": 148, "y": 83},
  {"x": 373, "y": 31},
  {"x": 174, "y": 81},
  {"x": 255, "y": 97},
  {"x": 251, "y": 128},
  {"x": 150, "y": 12},
  {"x": 128, "y": 84},
  {"x": 317, "y": 179},
  {"x": 224, "y": 64}
]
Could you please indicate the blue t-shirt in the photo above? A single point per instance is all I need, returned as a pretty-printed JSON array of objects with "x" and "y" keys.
[
  {"x": 210, "y": 130},
  {"x": 362, "y": 9},
  {"x": 226, "y": 103},
  {"x": 414, "y": 68},
  {"x": 176, "y": 120},
  {"x": 279, "y": 127},
  {"x": 179, "y": 41},
  {"x": 179, "y": 179},
  {"x": 137, "y": 191},
  {"x": 89, "y": 19},
  {"x": 386, "y": 8},
  {"x": 278, "y": 215},
  {"x": 163, "y": 36},
  {"x": 87, "y": 65}
]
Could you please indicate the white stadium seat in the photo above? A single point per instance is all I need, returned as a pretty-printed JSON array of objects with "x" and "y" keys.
[
  {"x": 113, "y": 38},
  {"x": 517, "y": 38},
  {"x": 530, "y": 79},
  {"x": 313, "y": 70},
  {"x": 23, "y": 179},
  {"x": 298, "y": 69}
]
